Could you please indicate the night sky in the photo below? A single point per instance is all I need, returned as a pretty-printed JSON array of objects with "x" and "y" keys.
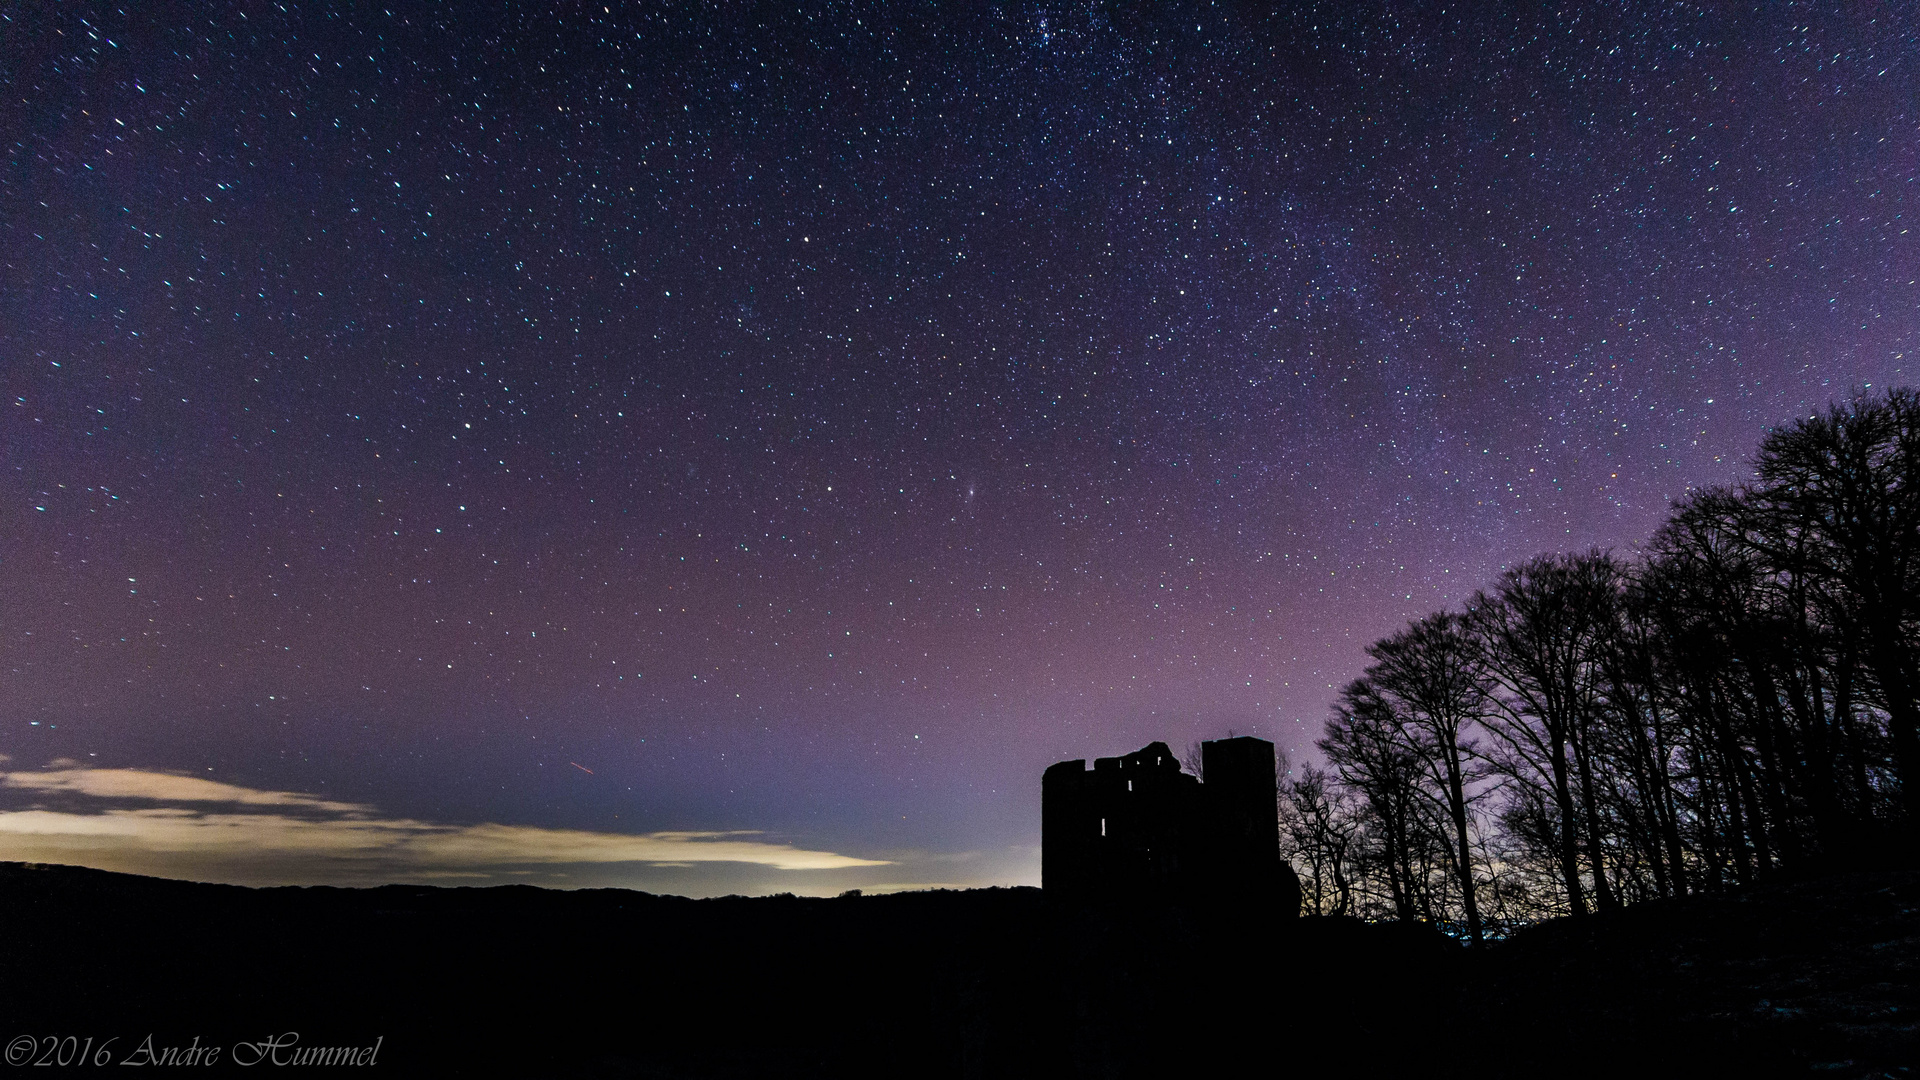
[{"x": 445, "y": 443}]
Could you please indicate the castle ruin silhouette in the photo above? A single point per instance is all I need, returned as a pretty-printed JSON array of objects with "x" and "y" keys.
[{"x": 1136, "y": 827}]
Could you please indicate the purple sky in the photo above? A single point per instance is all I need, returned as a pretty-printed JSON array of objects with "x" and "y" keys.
[{"x": 815, "y": 425}]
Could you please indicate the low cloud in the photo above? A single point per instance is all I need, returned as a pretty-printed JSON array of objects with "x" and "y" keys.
[
  {"x": 167, "y": 788},
  {"x": 519, "y": 844},
  {"x": 185, "y": 826}
]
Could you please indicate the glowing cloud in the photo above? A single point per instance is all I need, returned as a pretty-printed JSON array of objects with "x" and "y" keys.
[
  {"x": 210, "y": 829},
  {"x": 165, "y": 787}
]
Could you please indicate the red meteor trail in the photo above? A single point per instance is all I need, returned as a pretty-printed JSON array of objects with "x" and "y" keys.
[{"x": 581, "y": 767}]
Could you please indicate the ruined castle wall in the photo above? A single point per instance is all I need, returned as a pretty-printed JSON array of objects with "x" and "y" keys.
[{"x": 1136, "y": 825}]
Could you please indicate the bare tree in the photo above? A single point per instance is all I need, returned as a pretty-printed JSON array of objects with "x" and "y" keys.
[
  {"x": 1433, "y": 674},
  {"x": 1194, "y": 761},
  {"x": 1365, "y": 745},
  {"x": 1541, "y": 629},
  {"x": 1317, "y": 827},
  {"x": 1846, "y": 484}
]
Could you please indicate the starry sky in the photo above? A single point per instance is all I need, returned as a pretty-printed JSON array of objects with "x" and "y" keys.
[{"x": 794, "y": 426}]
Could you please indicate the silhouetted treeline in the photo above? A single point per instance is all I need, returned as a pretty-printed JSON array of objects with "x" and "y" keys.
[{"x": 1592, "y": 730}]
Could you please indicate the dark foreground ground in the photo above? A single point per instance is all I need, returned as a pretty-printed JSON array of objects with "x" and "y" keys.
[{"x": 1807, "y": 978}]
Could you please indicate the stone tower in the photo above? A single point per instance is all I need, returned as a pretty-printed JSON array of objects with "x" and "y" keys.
[{"x": 1136, "y": 827}]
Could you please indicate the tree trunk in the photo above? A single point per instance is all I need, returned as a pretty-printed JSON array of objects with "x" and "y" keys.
[
  {"x": 1770, "y": 780},
  {"x": 1822, "y": 788},
  {"x": 1852, "y": 752},
  {"x": 1903, "y": 724},
  {"x": 1583, "y": 760},
  {"x": 1668, "y": 812},
  {"x": 1457, "y": 803},
  {"x": 1569, "y": 831}
]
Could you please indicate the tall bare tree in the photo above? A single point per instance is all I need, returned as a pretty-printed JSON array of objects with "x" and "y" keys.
[
  {"x": 1364, "y": 743},
  {"x": 1317, "y": 827},
  {"x": 1846, "y": 485},
  {"x": 1434, "y": 676},
  {"x": 1542, "y": 629}
]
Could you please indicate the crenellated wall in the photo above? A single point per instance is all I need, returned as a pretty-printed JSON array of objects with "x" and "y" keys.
[{"x": 1136, "y": 826}]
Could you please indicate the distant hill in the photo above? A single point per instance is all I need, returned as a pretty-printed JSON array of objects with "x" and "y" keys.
[{"x": 520, "y": 981}]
